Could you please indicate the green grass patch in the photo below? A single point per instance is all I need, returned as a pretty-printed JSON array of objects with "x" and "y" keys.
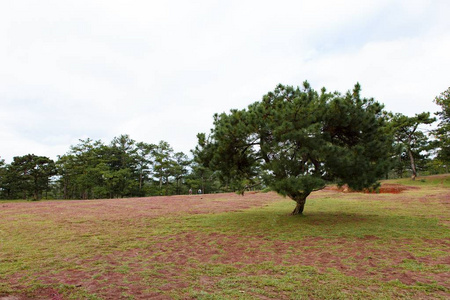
[
  {"x": 323, "y": 218},
  {"x": 434, "y": 180}
]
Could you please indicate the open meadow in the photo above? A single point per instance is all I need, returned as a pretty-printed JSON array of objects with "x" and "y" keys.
[{"x": 227, "y": 246}]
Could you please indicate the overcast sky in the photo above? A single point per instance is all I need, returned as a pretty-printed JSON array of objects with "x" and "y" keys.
[{"x": 159, "y": 70}]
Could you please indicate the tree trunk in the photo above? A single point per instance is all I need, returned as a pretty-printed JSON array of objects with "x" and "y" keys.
[
  {"x": 35, "y": 190},
  {"x": 300, "y": 199},
  {"x": 203, "y": 186},
  {"x": 413, "y": 165},
  {"x": 65, "y": 190}
]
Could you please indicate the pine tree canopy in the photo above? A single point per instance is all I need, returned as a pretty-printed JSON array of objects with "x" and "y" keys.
[{"x": 296, "y": 140}]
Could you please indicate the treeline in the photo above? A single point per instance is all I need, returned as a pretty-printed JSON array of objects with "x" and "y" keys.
[
  {"x": 127, "y": 168},
  {"x": 94, "y": 170},
  {"x": 417, "y": 148}
]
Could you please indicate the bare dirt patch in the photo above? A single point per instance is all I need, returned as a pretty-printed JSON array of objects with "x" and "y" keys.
[
  {"x": 145, "y": 207},
  {"x": 170, "y": 260},
  {"x": 386, "y": 188}
]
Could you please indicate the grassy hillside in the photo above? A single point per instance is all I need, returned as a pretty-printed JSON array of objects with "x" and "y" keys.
[{"x": 224, "y": 246}]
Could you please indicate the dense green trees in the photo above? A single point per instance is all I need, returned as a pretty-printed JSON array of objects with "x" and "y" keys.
[
  {"x": 91, "y": 169},
  {"x": 82, "y": 170},
  {"x": 124, "y": 168},
  {"x": 202, "y": 175},
  {"x": 162, "y": 154},
  {"x": 296, "y": 139},
  {"x": 27, "y": 176},
  {"x": 442, "y": 133}
]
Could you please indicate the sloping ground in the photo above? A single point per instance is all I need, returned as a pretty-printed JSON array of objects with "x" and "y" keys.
[
  {"x": 139, "y": 207},
  {"x": 228, "y": 246}
]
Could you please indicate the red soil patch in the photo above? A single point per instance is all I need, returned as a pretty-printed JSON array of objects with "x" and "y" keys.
[
  {"x": 360, "y": 258},
  {"x": 135, "y": 208},
  {"x": 387, "y": 188}
]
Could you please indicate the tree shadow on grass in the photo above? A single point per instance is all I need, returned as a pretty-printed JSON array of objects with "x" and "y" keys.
[{"x": 279, "y": 224}]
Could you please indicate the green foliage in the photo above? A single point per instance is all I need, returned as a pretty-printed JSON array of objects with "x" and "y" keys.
[
  {"x": 180, "y": 165},
  {"x": 285, "y": 186},
  {"x": 27, "y": 176},
  {"x": 162, "y": 154},
  {"x": 93, "y": 170},
  {"x": 125, "y": 168},
  {"x": 296, "y": 139},
  {"x": 81, "y": 170},
  {"x": 202, "y": 176},
  {"x": 2, "y": 175},
  {"x": 442, "y": 133},
  {"x": 411, "y": 142}
]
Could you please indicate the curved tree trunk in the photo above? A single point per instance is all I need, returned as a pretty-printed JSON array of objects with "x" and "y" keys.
[
  {"x": 300, "y": 199},
  {"x": 413, "y": 165}
]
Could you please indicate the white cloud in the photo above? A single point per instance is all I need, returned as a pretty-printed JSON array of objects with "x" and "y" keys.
[
  {"x": 160, "y": 69},
  {"x": 404, "y": 74}
]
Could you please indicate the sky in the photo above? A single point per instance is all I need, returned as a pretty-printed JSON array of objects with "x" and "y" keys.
[{"x": 159, "y": 70}]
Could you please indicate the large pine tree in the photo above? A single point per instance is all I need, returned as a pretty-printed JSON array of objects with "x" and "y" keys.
[{"x": 296, "y": 140}]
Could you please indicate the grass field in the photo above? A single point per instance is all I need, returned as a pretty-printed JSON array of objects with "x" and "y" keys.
[{"x": 225, "y": 246}]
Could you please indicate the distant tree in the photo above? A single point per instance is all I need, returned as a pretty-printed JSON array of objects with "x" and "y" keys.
[
  {"x": 442, "y": 133},
  {"x": 2, "y": 177},
  {"x": 162, "y": 156},
  {"x": 410, "y": 139},
  {"x": 204, "y": 179},
  {"x": 144, "y": 163},
  {"x": 82, "y": 170},
  {"x": 41, "y": 174},
  {"x": 122, "y": 175},
  {"x": 202, "y": 176},
  {"x": 92, "y": 169},
  {"x": 122, "y": 152},
  {"x": 66, "y": 166},
  {"x": 30, "y": 175},
  {"x": 181, "y": 163},
  {"x": 300, "y": 139},
  {"x": 2, "y": 169},
  {"x": 13, "y": 185}
]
